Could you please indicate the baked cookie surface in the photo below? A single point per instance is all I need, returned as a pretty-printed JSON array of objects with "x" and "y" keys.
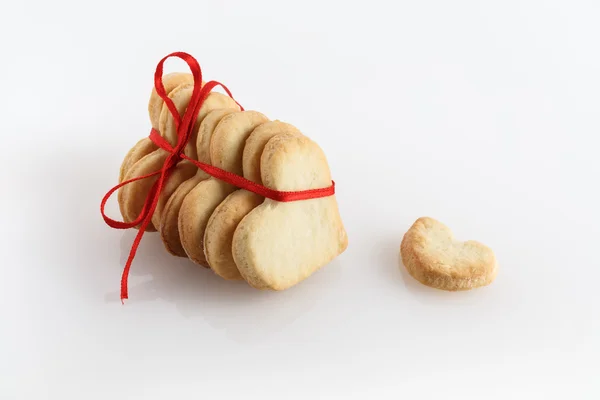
[{"x": 432, "y": 256}]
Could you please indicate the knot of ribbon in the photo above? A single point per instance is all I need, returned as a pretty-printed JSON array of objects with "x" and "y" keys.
[{"x": 184, "y": 126}]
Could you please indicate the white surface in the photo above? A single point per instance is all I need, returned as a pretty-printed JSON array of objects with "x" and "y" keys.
[{"x": 485, "y": 117}]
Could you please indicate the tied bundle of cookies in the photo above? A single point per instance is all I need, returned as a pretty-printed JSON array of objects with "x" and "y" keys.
[{"x": 248, "y": 197}]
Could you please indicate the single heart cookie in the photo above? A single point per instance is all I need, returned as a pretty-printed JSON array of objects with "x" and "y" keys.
[
  {"x": 435, "y": 258},
  {"x": 142, "y": 148},
  {"x": 279, "y": 244},
  {"x": 183, "y": 171},
  {"x": 223, "y": 221},
  {"x": 131, "y": 197},
  {"x": 170, "y": 82},
  {"x": 256, "y": 143}
]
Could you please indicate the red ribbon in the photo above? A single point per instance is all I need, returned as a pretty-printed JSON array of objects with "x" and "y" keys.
[{"x": 184, "y": 128}]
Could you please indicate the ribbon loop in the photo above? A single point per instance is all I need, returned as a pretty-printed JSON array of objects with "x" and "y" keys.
[{"x": 160, "y": 88}]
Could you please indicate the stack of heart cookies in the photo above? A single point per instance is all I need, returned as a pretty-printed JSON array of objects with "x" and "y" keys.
[{"x": 235, "y": 232}]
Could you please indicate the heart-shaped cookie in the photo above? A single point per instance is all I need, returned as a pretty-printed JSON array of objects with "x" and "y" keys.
[
  {"x": 435, "y": 258},
  {"x": 183, "y": 171},
  {"x": 170, "y": 82},
  {"x": 226, "y": 149},
  {"x": 131, "y": 197},
  {"x": 223, "y": 221},
  {"x": 169, "y": 226},
  {"x": 279, "y": 244},
  {"x": 142, "y": 148}
]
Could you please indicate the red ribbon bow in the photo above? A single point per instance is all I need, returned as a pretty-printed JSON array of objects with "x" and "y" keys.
[{"x": 184, "y": 127}]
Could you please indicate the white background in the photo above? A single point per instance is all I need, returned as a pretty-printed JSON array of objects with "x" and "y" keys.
[{"x": 484, "y": 115}]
